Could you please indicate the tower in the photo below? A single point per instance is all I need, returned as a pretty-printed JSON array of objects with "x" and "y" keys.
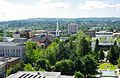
[{"x": 57, "y": 29}]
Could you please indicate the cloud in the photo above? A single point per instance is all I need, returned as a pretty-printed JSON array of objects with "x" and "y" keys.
[
  {"x": 43, "y": 8},
  {"x": 94, "y": 5},
  {"x": 117, "y": 6},
  {"x": 55, "y": 5}
]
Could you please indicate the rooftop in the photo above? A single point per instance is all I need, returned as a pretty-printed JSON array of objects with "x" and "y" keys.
[
  {"x": 10, "y": 44},
  {"x": 105, "y": 44},
  {"x": 1, "y": 63},
  {"x": 10, "y": 59},
  {"x": 35, "y": 74}
]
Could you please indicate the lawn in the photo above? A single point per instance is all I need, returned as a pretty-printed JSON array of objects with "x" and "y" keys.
[{"x": 107, "y": 66}]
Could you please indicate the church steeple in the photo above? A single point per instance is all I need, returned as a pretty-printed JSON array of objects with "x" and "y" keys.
[{"x": 57, "y": 29}]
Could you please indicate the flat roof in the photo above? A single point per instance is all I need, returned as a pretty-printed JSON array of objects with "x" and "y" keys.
[
  {"x": 9, "y": 44},
  {"x": 1, "y": 63},
  {"x": 35, "y": 74},
  {"x": 105, "y": 44},
  {"x": 9, "y": 59}
]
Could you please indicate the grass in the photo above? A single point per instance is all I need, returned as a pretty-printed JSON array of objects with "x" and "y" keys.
[{"x": 107, "y": 66}]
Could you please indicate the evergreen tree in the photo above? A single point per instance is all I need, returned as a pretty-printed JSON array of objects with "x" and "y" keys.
[
  {"x": 101, "y": 54},
  {"x": 112, "y": 57},
  {"x": 96, "y": 46}
]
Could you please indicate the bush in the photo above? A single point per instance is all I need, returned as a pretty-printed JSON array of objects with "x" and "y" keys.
[{"x": 78, "y": 75}]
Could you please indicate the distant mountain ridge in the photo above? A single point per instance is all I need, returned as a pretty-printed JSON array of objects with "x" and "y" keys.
[{"x": 62, "y": 21}]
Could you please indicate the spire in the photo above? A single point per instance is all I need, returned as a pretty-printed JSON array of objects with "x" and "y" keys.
[
  {"x": 5, "y": 34},
  {"x": 57, "y": 29}
]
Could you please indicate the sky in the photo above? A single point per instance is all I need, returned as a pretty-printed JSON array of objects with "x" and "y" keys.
[{"x": 25, "y": 9}]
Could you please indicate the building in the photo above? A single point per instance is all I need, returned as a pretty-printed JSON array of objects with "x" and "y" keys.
[
  {"x": 116, "y": 34},
  {"x": 10, "y": 61},
  {"x": 35, "y": 74},
  {"x": 11, "y": 49},
  {"x": 72, "y": 28},
  {"x": 104, "y": 35},
  {"x": 16, "y": 35},
  {"x": 20, "y": 40},
  {"x": 2, "y": 69},
  {"x": 91, "y": 33},
  {"x": 26, "y": 33},
  {"x": 43, "y": 40}
]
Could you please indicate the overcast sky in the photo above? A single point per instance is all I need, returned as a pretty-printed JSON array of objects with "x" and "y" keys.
[{"x": 24, "y": 9}]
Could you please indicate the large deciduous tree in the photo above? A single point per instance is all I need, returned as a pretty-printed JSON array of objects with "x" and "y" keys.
[
  {"x": 90, "y": 65},
  {"x": 64, "y": 66},
  {"x": 83, "y": 45}
]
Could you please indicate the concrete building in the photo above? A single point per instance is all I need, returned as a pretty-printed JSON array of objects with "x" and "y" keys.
[
  {"x": 20, "y": 40},
  {"x": 72, "y": 28},
  {"x": 16, "y": 35},
  {"x": 106, "y": 36},
  {"x": 91, "y": 33},
  {"x": 36, "y": 74},
  {"x": 11, "y": 49},
  {"x": 2, "y": 69},
  {"x": 10, "y": 61},
  {"x": 116, "y": 34}
]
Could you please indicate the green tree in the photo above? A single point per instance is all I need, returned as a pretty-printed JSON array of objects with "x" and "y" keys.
[
  {"x": 51, "y": 52},
  {"x": 42, "y": 64},
  {"x": 71, "y": 48},
  {"x": 28, "y": 67},
  {"x": 78, "y": 65},
  {"x": 118, "y": 63},
  {"x": 112, "y": 57},
  {"x": 29, "y": 53},
  {"x": 62, "y": 52},
  {"x": 90, "y": 65},
  {"x": 78, "y": 75},
  {"x": 96, "y": 46},
  {"x": 83, "y": 46},
  {"x": 15, "y": 68},
  {"x": 101, "y": 55},
  {"x": 64, "y": 66}
]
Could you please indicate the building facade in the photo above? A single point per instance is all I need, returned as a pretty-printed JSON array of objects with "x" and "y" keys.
[
  {"x": 104, "y": 35},
  {"x": 11, "y": 49},
  {"x": 72, "y": 28}
]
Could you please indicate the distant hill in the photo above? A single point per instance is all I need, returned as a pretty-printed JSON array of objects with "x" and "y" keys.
[{"x": 51, "y": 22}]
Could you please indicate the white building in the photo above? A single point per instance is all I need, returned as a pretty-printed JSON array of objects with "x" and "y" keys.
[
  {"x": 35, "y": 74},
  {"x": 11, "y": 49},
  {"x": 106, "y": 36},
  {"x": 16, "y": 35}
]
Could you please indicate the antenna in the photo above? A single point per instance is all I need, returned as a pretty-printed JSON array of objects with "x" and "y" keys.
[{"x": 57, "y": 29}]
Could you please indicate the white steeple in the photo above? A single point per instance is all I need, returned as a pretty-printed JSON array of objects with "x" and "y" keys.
[{"x": 57, "y": 29}]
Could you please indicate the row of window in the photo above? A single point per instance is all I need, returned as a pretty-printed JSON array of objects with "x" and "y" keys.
[
  {"x": 10, "y": 53},
  {"x": 7, "y": 50}
]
